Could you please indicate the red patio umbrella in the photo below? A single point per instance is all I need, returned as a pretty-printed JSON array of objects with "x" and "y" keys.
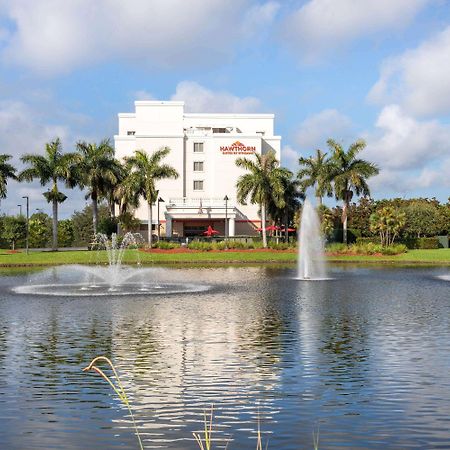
[
  {"x": 210, "y": 231},
  {"x": 290, "y": 230},
  {"x": 259, "y": 229},
  {"x": 272, "y": 228}
]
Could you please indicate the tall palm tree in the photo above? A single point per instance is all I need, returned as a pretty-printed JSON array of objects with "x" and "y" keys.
[
  {"x": 292, "y": 195},
  {"x": 263, "y": 184},
  {"x": 54, "y": 166},
  {"x": 315, "y": 171},
  {"x": 350, "y": 175},
  {"x": 111, "y": 189},
  {"x": 97, "y": 170},
  {"x": 6, "y": 171},
  {"x": 144, "y": 171}
]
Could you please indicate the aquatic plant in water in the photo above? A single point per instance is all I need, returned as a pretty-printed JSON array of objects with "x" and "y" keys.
[
  {"x": 119, "y": 389},
  {"x": 204, "y": 442}
]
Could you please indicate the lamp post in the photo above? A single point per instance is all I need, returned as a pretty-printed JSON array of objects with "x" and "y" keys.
[
  {"x": 160, "y": 200},
  {"x": 27, "y": 198},
  {"x": 226, "y": 216},
  {"x": 20, "y": 209}
]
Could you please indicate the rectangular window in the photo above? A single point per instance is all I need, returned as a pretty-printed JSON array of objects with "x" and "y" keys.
[
  {"x": 131, "y": 133},
  {"x": 219, "y": 130},
  {"x": 198, "y": 185},
  {"x": 198, "y": 166},
  {"x": 198, "y": 147}
]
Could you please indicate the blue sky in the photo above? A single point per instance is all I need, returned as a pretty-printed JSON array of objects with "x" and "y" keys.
[{"x": 376, "y": 69}]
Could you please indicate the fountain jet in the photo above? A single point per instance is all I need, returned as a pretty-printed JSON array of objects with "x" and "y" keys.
[{"x": 311, "y": 262}]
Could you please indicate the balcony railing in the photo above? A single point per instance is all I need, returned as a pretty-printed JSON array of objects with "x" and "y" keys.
[{"x": 196, "y": 202}]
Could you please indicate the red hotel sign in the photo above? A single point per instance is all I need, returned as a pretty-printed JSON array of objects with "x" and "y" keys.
[{"x": 237, "y": 148}]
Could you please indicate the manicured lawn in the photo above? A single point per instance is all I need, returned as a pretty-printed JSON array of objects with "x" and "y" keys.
[{"x": 440, "y": 256}]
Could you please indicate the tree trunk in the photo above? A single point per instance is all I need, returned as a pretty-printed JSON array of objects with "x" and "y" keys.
[
  {"x": 94, "y": 213},
  {"x": 286, "y": 226},
  {"x": 319, "y": 200},
  {"x": 149, "y": 226},
  {"x": 55, "y": 225},
  {"x": 344, "y": 221},
  {"x": 112, "y": 209},
  {"x": 263, "y": 224}
]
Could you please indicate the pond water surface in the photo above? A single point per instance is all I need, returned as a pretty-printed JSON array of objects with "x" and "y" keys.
[{"x": 364, "y": 359}]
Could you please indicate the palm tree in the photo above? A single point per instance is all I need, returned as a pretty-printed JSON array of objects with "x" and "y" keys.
[
  {"x": 315, "y": 171},
  {"x": 54, "y": 166},
  {"x": 292, "y": 195},
  {"x": 6, "y": 171},
  {"x": 263, "y": 184},
  {"x": 350, "y": 175},
  {"x": 144, "y": 170},
  {"x": 98, "y": 170}
]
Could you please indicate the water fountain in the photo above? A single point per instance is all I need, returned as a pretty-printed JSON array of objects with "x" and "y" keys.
[
  {"x": 311, "y": 262},
  {"x": 113, "y": 278}
]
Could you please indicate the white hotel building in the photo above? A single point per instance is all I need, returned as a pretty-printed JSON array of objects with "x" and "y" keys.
[{"x": 204, "y": 148}]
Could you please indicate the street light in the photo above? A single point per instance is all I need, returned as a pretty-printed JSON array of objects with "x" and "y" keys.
[
  {"x": 226, "y": 215},
  {"x": 28, "y": 214},
  {"x": 160, "y": 200}
]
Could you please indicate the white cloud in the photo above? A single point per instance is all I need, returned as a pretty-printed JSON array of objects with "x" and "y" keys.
[
  {"x": 411, "y": 154},
  {"x": 317, "y": 128},
  {"x": 51, "y": 36},
  {"x": 25, "y": 128},
  {"x": 200, "y": 99},
  {"x": 402, "y": 142},
  {"x": 143, "y": 95},
  {"x": 289, "y": 157},
  {"x": 320, "y": 26},
  {"x": 418, "y": 79}
]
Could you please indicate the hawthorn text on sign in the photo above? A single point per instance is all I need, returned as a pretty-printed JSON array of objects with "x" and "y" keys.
[{"x": 237, "y": 148}]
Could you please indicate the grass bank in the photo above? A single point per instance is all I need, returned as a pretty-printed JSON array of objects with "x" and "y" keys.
[{"x": 438, "y": 257}]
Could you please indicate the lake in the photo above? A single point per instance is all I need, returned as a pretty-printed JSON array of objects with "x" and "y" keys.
[{"x": 362, "y": 360}]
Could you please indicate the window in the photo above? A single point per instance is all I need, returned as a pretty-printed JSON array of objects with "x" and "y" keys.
[
  {"x": 198, "y": 185},
  {"x": 198, "y": 147},
  {"x": 131, "y": 133},
  {"x": 198, "y": 166},
  {"x": 219, "y": 130}
]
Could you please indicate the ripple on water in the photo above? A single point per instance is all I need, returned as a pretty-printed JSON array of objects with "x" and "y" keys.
[{"x": 364, "y": 358}]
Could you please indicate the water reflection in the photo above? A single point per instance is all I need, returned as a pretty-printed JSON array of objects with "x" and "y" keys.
[{"x": 365, "y": 356}]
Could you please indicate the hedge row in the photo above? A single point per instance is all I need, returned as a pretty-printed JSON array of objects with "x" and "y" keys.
[{"x": 412, "y": 243}]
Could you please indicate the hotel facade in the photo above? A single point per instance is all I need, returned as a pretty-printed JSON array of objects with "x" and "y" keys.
[{"x": 203, "y": 150}]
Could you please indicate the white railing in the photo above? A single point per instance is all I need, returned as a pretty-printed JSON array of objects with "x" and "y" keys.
[{"x": 196, "y": 202}]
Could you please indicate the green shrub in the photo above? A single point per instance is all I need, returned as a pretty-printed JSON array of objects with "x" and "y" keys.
[
  {"x": 394, "y": 249},
  {"x": 165, "y": 245},
  {"x": 367, "y": 248},
  {"x": 428, "y": 243},
  {"x": 279, "y": 246},
  {"x": 202, "y": 246},
  {"x": 336, "y": 247}
]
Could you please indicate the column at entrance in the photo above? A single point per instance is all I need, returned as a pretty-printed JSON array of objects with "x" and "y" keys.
[
  {"x": 168, "y": 225},
  {"x": 231, "y": 226}
]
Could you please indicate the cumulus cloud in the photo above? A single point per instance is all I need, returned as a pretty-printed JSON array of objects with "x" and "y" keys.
[
  {"x": 289, "y": 157},
  {"x": 404, "y": 142},
  {"x": 418, "y": 79},
  {"x": 201, "y": 99},
  {"x": 25, "y": 128},
  {"x": 50, "y": 36},
  {"x": 320, "y": 26},
  {"x": 411, "y": 154},
  {"x": 317, "y": 128}
]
